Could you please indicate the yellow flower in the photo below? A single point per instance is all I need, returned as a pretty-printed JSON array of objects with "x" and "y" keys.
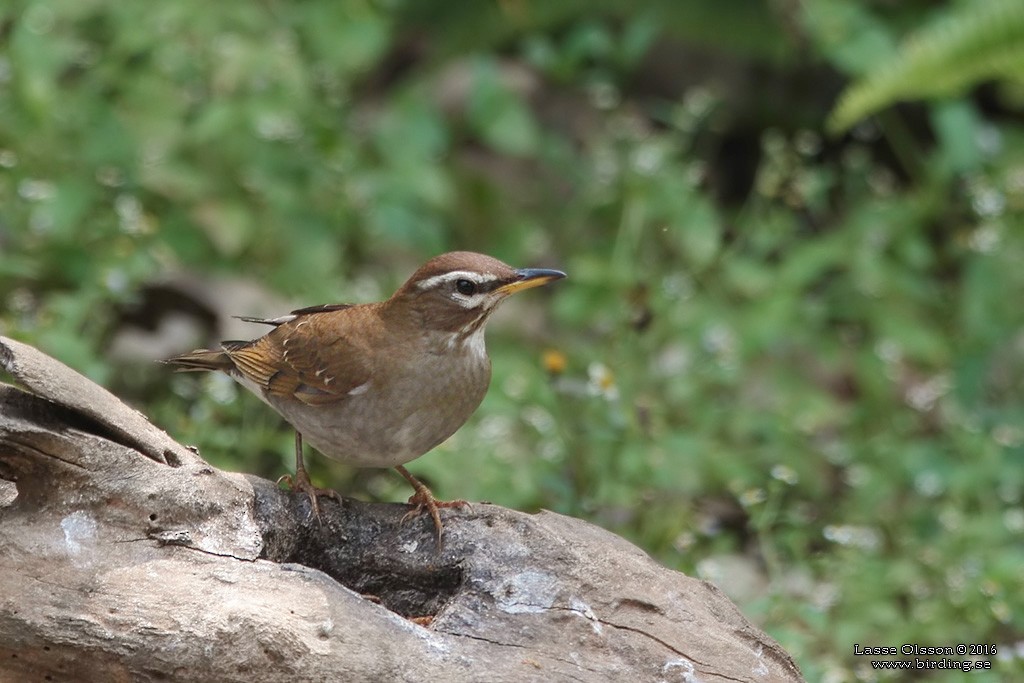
[{"x": 554, "y": 361}]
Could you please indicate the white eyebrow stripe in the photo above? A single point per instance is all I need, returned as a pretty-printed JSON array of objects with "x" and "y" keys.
[{"x": 453, "y": 275}]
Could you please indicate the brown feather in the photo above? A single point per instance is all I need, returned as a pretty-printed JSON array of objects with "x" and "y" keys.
[
  {"x": 315, "y": 358},
  {"x": 201, "y": 359},
  {"x": 254, "y": 364}
]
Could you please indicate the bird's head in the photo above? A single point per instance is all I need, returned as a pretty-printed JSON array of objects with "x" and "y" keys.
[{"x": 457, "y": 292}]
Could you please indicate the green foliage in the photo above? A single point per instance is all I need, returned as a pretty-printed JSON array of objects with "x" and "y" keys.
[
  {"x": 797, "y": 352},
  {"x": 968, "y": 44}
]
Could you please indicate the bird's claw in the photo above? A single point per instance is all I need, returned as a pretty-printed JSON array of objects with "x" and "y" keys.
[
  {"x": 302, "y": 484},
  {"x": 423, "y": 499}
]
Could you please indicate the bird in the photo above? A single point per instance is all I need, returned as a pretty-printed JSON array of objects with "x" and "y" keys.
[{"x": 379, "y": 384}]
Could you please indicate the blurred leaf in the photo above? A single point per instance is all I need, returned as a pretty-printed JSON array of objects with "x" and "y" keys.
[
  {"x": 65, "y": 212},
  {"x": 700, "y": 234},
  {"x": 349, "y": 37},
  {"x": 227, "y": 224},
  {"x": 498, "y": 114},
  {"x": 971, "y": 43},
  {"x": 958, "y": 127},
  {"x": 850, "y": 34}
]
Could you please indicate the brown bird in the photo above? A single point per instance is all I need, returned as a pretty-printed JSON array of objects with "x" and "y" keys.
[{"x": 380, "y": 384}]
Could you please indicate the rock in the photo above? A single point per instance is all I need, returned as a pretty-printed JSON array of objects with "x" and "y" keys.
[{"x": 119, "y": 565}]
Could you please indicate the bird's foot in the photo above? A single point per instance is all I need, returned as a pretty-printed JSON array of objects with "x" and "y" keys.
[
  {"x": 301, "y": 483},
  {"x": 424, "y": 500}
]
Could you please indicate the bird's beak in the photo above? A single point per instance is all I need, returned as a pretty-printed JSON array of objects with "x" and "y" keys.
[{"x": 531, "y": 277}]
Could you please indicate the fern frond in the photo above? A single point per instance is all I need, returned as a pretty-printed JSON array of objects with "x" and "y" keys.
[{"x": 974, "y": 43}]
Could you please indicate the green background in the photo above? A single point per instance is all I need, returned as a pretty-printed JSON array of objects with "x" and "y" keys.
[{"x": 790, "y": 352}]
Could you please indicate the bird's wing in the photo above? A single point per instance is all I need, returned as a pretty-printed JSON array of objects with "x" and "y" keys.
[
  {"x": 321, "y": 308},
  {"x": 280, "y": 320},
  {"x": 313, "y": 358}
]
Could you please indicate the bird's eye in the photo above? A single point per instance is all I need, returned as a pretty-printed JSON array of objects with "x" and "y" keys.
[{"x": 465, "y": 287}]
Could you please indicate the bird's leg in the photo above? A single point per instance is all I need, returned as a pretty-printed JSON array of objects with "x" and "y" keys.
[
  {"x": 301, "y": 481},
  {"x": 423, "y": 499}
]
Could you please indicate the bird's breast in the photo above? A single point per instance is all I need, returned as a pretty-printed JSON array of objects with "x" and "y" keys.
[{"x": 402, "y": 412}]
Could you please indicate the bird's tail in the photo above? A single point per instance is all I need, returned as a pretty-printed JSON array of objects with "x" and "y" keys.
[{"x": 202, "y": 359}]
